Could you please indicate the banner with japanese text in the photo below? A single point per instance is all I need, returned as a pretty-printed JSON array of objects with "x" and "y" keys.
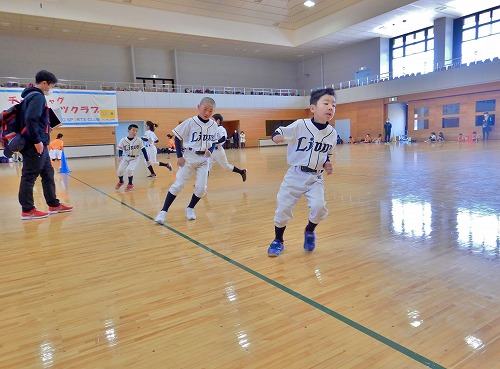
[{"x": 75, "y": 108}]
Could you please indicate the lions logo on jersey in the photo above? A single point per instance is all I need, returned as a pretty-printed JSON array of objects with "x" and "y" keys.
[{"x": 303, "y": 145}]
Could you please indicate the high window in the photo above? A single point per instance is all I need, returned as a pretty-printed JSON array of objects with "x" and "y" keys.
[
  {"x": 412, "y": 53},
  {"x": 480, "y": 35}
]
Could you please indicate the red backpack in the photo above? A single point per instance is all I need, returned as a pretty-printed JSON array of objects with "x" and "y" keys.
[{"x": 11, "y": 122}]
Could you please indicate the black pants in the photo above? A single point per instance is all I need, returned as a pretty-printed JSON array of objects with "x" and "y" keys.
[
  {"x": 387, "y": 137},
  {"x": 35, "y": 165},
  {"x": 486, "y": 133}
]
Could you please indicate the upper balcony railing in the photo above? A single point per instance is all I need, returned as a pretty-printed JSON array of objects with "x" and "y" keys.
[
  {"x": 175, "y": 88},
  {"x": 448, "y": 64}
]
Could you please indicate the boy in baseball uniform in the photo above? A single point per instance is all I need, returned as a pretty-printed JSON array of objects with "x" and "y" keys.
[
  {"x": 310, "y": 145},
  {"x": 128, "y": 151},
  {"x": 219, "y": 154},
  {"x": 195, "y": 141}
]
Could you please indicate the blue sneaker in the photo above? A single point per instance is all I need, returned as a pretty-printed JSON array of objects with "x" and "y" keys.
[
  {"x": 275, "y": 248},
  {"x": 309, "y": 241}
]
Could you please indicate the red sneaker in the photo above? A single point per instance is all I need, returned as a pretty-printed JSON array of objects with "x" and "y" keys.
[
  {"x": 129, "y": 187},
  {"x": 118, "y": 185},
  {"x": 33, "y": 214},
  {"x": 60, "y": 209}
]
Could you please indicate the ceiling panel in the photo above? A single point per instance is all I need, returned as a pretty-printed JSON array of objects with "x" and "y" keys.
[{"x": 271, "y": 15}]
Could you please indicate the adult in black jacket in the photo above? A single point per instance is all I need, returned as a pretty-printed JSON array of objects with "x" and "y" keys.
[
  {"x": 236, "y": 139},
  {"x": 36, "y": 160},
  {"x": 387, "y": 130}
]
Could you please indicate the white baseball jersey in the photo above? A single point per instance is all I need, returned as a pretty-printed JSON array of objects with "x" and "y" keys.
[
  {"x": 150, "y": 145},
  {"x": 196, "y": 135},
  {"x": 308, "y": 146},
  {"x": 132, "y": 147},
  {"x": 219, "y": 154},
  {"x": 221, "y": 132},
  {"x": 151, "y": 138}
]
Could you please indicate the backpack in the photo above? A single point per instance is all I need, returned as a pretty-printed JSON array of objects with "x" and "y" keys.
[{"x": 12, "y": 124}]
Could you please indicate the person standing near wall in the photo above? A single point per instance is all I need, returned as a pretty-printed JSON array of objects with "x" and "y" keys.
[
  {"x": 387, "y": 130},
  {"x": 36, "y": 160},
  {"x": 486, "y": 125},
  {"x": 242, "y": 139},
  {"x": 236, "y": 139}
]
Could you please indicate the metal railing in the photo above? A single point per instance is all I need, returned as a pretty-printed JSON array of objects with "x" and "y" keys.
[
  {"x": 144, "y": 87},
  {"x": 204, "y": 89},
  {"x": 446, "y": 65}
]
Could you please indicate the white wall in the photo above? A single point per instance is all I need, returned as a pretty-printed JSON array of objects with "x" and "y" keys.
[
  {"x": 139, "y": 99},
  {"x": 154, "y": 61},
  {"x": 308, "y": 73},
  {"x": 24, "y": 56},
  {"x": 339, "y": 66},
  {"x": 214, "y": 70}
]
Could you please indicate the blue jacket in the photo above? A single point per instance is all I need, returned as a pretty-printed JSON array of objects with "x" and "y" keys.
[{"x": 35, "y": 115}]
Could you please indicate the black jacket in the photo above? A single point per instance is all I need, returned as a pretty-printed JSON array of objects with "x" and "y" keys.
[{"x": 35, "y": 115}]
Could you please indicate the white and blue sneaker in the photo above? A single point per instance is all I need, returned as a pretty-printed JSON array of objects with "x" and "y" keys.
[
  {"x": 309, "y": 241},
  {"x": 275, "y": 248}
]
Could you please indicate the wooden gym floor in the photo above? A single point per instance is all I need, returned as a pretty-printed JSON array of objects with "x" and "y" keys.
[{"x": 406, "y": 273}]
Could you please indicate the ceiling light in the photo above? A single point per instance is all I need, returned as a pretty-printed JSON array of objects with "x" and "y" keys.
[{"x": 309, "y": 3}]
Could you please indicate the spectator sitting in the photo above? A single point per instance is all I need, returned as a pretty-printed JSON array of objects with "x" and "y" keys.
[
  {"x": 440, "y": 137},
  {"x": 367, "y": 139},
  {"x": 378, "y": 139},
  {"x": 474, "y": 136},
  {"x": 340, "y": 141},
  {"x": 462, "y": 138},
  {"x": 351, "y": 140},
  {"x": 432, "y": 137}
]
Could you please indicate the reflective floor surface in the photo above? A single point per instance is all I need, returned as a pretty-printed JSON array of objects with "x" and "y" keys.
[{"x": 406, "y": 272}]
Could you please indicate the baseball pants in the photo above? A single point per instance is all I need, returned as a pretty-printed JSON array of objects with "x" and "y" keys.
[
  {"x": 219, "y": 156},
  {"x": 127, "y": 166},
  {"x": 194, "y": 163},
  {"x": 295, "y": 184},
  {"x": 152, "y": 153}
]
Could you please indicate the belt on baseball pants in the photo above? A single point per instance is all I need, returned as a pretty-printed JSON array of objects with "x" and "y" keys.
[
  {"x": 196, "y": 152},
  {"x": 132, "y": 156},
  {"x": 309, "y": 170}
]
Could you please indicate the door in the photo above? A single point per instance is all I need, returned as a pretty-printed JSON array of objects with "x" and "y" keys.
[
  {"x": 230, "y": 126},
  {"x": 397, "y": 113},
  {"x": 343, "y": 128}
]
